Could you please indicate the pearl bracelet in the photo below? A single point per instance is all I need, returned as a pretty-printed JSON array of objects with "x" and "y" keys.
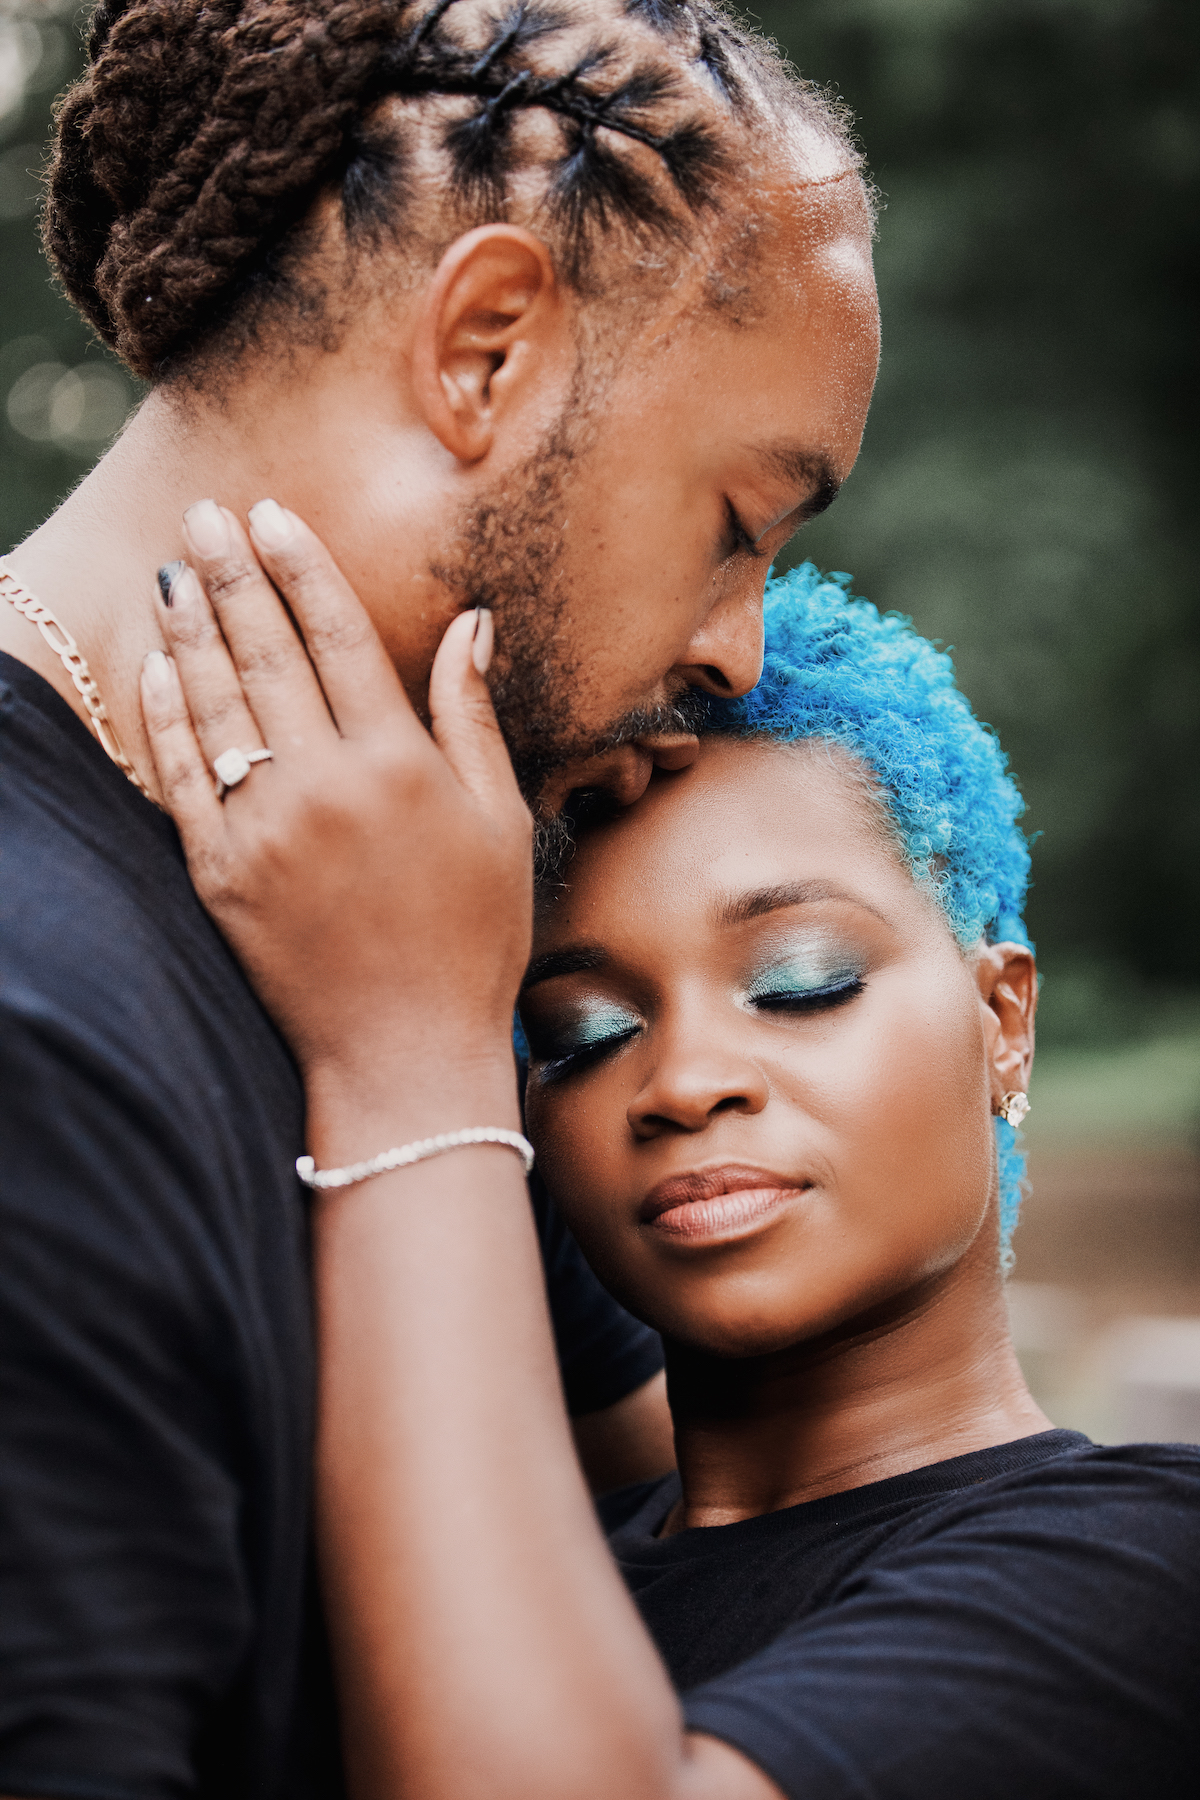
[{"x": 406, "y": 1154}]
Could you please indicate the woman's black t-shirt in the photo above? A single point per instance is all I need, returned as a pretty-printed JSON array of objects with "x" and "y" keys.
[
  {"x": 1022, "y": 1623},
  {"x": 158, "y": 1637}
]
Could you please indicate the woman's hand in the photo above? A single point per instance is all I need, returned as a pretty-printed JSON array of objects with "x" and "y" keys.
[{"x": 374, "y": 881}]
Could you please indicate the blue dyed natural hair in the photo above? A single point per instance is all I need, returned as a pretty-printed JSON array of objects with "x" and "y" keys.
[{"x": 837, "y": 669}]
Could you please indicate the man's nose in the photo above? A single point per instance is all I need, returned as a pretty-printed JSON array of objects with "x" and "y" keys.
[{"x": 725, "y": 655}]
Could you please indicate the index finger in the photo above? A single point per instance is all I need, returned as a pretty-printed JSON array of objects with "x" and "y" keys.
[
  {"x": 360, "y": 683},
  {"x": 284, "y": 693}
]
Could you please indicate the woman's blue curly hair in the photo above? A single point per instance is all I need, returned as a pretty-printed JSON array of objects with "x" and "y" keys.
[{"x": 838, "y": 669}]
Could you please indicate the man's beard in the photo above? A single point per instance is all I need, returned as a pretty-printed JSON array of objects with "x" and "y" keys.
[{"x": 510, "y": 558}]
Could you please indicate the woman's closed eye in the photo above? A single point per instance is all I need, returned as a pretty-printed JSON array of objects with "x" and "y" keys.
[
  {"x": 800, "y": 986},
  {"x": 566, "y": 1045}
]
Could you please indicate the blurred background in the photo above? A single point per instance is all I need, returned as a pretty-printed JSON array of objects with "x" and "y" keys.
[{"x": 1027, "y": 493}]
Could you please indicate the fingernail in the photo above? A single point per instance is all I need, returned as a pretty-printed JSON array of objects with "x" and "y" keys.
[
  {"x": 168, "y": 575},
  {"x": 185, "y": 587},
  {"x": 208, "y": 528},
  {"x": 156, "y": 672},
  {"x": 270, "y": 524},
  {"x": 485, "y": 637}
]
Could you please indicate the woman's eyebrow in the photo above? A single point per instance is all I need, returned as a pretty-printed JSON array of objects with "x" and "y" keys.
[
  {"x": 574, "y": 959},
  {"x": 738, "y": 909}
]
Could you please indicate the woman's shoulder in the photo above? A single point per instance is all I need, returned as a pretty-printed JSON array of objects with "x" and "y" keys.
[
  {"x": 1035, "y": 1633},
  {"x": 1080, "y": 1474},
  {"x": 1130, "y": 1506}
]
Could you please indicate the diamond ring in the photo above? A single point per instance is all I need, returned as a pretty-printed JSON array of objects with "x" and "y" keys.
[{"x": 233, "y": 766}]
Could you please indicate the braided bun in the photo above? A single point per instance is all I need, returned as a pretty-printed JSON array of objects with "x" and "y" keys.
[
  {"x": 200, "y": 136},
  {"x": 192, "y": 151}
]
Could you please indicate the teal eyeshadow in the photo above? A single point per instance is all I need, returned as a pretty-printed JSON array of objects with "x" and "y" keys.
[
  {"x": 596, "y": 1026},
  {"x": 802, "y": 975}
]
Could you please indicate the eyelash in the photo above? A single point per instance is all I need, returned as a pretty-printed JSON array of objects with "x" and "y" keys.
[
  {"x": 793, "y": 1000},
  {"x": 555, "y": 1068},
  {"x": 743, "y": 543}
]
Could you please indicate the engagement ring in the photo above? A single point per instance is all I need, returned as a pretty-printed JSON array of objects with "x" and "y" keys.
[{"x": 233, "y": 766}]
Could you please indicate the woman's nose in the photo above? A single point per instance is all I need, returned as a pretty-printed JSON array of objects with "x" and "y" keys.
[{"x": 690, "y": 1087}]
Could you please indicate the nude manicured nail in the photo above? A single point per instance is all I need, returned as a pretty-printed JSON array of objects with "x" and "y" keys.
[
  {"x": 168, "y": 575},
  {"x": 270, "y": 524},
  {"x": 156, "y": 672},
  {"x": 481, "y": 649},
  {"x": 208, "y": 528}
]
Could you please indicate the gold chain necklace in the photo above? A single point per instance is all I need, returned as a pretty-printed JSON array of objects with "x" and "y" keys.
[{"x": 69, "y": 653}]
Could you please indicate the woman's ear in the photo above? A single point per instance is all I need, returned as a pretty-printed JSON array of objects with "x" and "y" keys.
[
  {"x": 1008, "y": 990},
  {"x": 491, "y": 327}
]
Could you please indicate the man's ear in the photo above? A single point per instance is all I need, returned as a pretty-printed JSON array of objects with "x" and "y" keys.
[
  {"x": 1008, "y": 991},
  {"x": 491, "y": 318}
]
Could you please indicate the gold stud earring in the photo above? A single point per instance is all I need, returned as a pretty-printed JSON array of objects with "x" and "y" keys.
[{"x": 1014, "y": 1106}]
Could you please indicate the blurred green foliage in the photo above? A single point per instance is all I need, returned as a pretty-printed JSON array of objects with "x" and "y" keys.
[
  {"x": 1027, "y": 485},
  {"x": 1026, "y": 490}
]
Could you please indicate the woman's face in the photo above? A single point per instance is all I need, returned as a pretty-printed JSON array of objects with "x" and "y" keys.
[{"x": 760, "y": 1085}]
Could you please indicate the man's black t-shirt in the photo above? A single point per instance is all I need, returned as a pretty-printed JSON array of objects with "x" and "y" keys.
[
  {"x": 158, "y": 1637},
  {"x": 1021, "y": 1623}
]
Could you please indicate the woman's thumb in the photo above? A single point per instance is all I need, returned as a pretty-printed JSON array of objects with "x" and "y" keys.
[{"x": 461, "y": 712}]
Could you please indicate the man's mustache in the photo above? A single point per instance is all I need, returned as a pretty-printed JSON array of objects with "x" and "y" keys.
[{"x": 686, "y": 714}]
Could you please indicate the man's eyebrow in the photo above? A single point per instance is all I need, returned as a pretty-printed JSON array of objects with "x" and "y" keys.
[
  {"x": 739, "y": 909},
  {"x": 575, "y": 959},
  {"x": 809, "y": 471}
]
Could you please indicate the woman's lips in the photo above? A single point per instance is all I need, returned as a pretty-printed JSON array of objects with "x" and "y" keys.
[{"x": 717, "y": 1202}]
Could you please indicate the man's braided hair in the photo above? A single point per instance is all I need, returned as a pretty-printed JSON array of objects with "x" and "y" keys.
[{"x": 193, "y": 150}]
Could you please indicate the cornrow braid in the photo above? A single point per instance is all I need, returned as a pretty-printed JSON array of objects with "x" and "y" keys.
[{"x": 193, "y": 150}]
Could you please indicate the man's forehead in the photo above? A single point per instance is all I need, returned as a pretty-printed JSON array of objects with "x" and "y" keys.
[
  {"x": 757, "y": 250},
  {"x": 805, "y": 216}
]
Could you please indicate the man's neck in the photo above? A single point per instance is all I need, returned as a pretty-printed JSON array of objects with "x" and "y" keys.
[
  {"x": 94, "y": 562},
  {"x": 305, "y": 432},
  {"x": 937, "y": 1379}
]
